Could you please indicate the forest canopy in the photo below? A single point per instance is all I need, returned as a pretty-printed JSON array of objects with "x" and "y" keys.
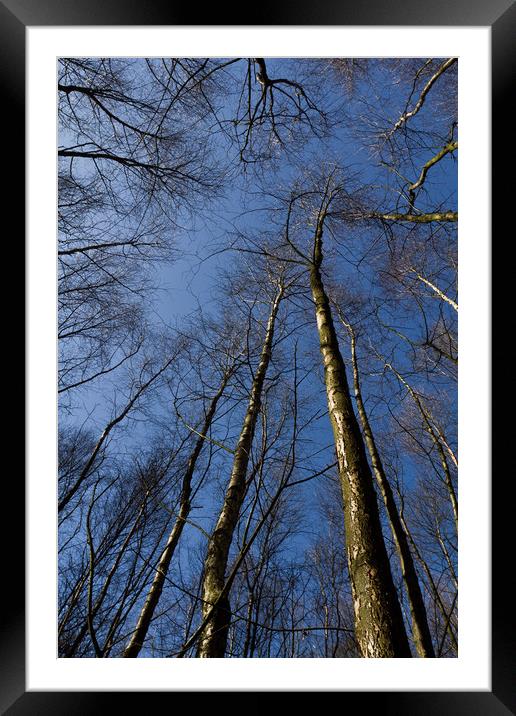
[{"x": 258, "y": 355}]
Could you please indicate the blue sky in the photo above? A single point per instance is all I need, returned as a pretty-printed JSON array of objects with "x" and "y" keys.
[{"x": 356, "y": 262}]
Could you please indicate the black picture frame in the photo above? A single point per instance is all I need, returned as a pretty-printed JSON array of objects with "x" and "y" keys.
[{"x": 500, "y": 15}]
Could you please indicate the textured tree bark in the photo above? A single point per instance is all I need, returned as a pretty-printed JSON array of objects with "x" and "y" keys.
[
  {"x": 137, "y": 639},
  {"x": 420, "y": 628},
  {"x": 436, "y": 290},
  {"x": 216, "y": 611},
  {"x": 450, "y": 147},
  {"x": 379, "y": 626},
  {"x": 426, "y": 89},
  {"x": 419, "y": 218}
]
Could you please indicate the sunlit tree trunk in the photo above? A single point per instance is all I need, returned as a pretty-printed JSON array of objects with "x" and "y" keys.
[
  {"x": 379, "y": 626},
  {"x": 137, "y": 639},
  {"x": 216, "y": 610},
  {"x": 418, "y": 218},
  {"x": 420, "y": 628}
]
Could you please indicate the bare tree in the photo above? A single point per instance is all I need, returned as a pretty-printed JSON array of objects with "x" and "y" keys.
[
  {"x": 207, "y": 506},
  {"x": 138, "y": 636},
  {"x": 216, "y": 604},
  {"x": 420, "y": 628}
]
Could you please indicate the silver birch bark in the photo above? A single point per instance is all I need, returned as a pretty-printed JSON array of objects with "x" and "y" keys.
[
  {"x": 216, "y": 611},
  {"x": 420, "y": 628},
  {"x": 137, "y": 639},
  {"x": 379, "y": 626}
]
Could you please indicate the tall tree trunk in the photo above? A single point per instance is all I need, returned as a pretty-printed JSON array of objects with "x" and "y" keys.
[
  {"x": 379, "y": 626},
  {"x": 137, "y": 639},
  {"x": 216, "y": 610},
  {"x": 420, "y": 628}
]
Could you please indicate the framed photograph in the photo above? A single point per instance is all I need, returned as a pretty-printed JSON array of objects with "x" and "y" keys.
[{"x": 243, "y": 458}]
